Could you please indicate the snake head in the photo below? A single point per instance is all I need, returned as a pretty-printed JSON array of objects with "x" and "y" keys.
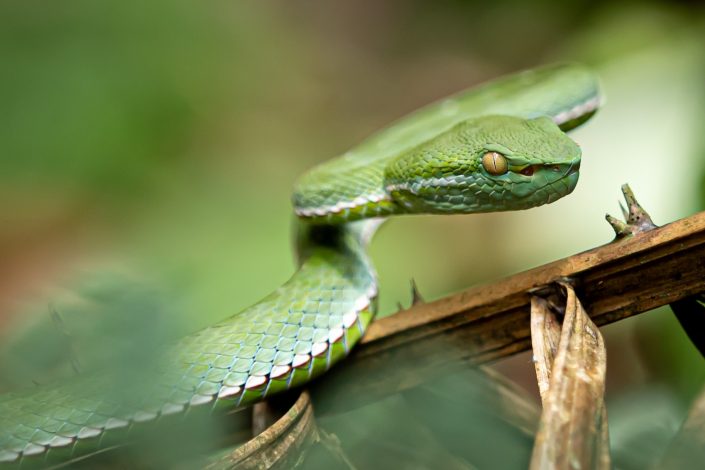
[{"x": 492, "y": 163}]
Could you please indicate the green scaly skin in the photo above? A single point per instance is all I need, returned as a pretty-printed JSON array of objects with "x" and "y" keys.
[{"x": 428, "y": 162}]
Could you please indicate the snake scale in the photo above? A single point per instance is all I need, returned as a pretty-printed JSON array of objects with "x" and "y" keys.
[{"x": 497, "y": 147}]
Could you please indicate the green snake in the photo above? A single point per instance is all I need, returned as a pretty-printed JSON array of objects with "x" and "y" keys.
[{"x": 497, "y": 147}]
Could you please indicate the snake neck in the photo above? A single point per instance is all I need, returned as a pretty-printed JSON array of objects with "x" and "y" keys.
[{"x": 350, "y": 239}]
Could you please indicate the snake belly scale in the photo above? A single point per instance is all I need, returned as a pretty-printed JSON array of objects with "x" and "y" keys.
[{"x": 500, "y": 146}]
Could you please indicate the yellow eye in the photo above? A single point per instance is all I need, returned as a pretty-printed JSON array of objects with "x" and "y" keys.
[{"x": 495, "y": 163}]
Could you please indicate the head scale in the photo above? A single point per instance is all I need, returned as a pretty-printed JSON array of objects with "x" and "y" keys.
[{"x": 491, "y": 163}]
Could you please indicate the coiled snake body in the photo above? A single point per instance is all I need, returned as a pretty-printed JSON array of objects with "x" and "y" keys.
[{"x": 497, "y": 147}]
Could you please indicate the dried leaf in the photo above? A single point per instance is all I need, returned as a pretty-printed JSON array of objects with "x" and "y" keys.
[
  {"x": 280, "y": 445},
  {"x": 573, "y": 428},
  {"x": 545, "y": 336}
]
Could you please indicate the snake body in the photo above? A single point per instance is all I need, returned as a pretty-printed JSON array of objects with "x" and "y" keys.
[{"x": 497, "y": 147}]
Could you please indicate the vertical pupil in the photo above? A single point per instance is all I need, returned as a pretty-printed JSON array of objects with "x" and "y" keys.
[{"x": 494, "y": 163}]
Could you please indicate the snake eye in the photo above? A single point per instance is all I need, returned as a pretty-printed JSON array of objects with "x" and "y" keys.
[{"x": 494, "y": 163}]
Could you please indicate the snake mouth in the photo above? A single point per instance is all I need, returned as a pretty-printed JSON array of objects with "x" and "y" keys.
[
  {"x": 563, "y": 185},
  {"x": 574, "y": 168},
  {"x": 571, "y": 175},
  {"x": 558, "y": 173},
  {"x": 572, "y": 180}
]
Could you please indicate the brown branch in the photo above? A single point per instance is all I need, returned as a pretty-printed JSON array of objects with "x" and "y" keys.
[{"x": 488, "y": 322}]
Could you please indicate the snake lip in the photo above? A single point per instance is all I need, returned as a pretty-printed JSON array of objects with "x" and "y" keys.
[
  {"x": 573, "y": 168},
  {"x": 566, "y": 182}
]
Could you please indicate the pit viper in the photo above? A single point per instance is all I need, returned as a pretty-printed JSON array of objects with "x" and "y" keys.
[{"x": 497, "y": 147}]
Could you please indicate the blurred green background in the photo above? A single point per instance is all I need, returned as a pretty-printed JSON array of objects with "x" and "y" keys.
[{"x": 153, "y": 147}]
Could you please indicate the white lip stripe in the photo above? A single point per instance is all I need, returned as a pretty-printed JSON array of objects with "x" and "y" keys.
[
  {"x": 576, "y": 111},
  {"x": 342, "y": 205},
  {"x": 414, "y": 186}
]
